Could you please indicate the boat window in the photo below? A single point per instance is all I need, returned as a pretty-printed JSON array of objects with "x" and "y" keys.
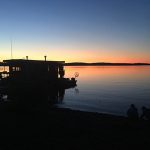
[
  {"x": 16, "y": 69},
  {"x": 13, "y": 69}
]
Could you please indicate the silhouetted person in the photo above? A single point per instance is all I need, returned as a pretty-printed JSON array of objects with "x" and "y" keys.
[
  {"x": 145, "y": 113},
  {"x": 132, "y": 112}
]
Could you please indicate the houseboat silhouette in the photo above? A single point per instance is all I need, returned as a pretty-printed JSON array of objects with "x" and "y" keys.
[{"x": 35, "y": 74}]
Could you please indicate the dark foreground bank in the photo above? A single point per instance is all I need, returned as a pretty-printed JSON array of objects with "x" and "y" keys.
[{"x": 52, "y": 128}]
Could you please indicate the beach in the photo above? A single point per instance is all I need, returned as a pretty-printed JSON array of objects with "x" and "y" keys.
[{"x": 54, "y": 128}]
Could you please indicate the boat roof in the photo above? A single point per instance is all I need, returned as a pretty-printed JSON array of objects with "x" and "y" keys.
[
  {"x": 24, "y": 61},
  {"x": 3, "y": 64}
]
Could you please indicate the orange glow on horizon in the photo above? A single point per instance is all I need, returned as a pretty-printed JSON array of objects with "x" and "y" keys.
[
  {"x": 106, "y": 72},
  {"x": 88, "y": 56}
]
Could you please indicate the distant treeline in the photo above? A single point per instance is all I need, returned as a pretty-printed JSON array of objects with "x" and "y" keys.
[{"x": 104, "y": 64}]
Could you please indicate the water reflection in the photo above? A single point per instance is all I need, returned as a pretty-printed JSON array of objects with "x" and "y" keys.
[
  {"x": 109, "y": 89},
  {"x": 3, "y": 97},
  {"x": 76, "y": 90},
  {"x": 29, "y": 98}
]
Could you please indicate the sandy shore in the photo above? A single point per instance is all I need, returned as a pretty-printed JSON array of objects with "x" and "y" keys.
[{"x": 54, "y": 128}]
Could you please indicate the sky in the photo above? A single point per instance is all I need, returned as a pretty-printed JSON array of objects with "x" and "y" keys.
[{"x": 76, "y": 30}]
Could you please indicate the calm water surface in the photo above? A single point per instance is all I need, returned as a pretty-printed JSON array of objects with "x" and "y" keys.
[{"x": 108, "y": 89}]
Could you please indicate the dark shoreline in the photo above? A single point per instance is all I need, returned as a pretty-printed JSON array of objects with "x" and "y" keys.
[
  {"x": 106, "y": 64},
  {"x": 59, "y": 128}
]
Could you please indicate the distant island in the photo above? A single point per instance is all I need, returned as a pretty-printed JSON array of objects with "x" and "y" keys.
[{"x": 104, "y": 64}]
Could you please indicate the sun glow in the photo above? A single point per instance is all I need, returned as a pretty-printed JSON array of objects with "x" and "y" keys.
[{"x": 73, "y": 55}]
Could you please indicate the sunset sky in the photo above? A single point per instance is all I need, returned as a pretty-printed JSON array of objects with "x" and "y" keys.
[{"x": 76, "y": 30}]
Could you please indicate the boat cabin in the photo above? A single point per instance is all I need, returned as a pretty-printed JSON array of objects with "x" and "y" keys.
[{"x": 35, "y": 72}]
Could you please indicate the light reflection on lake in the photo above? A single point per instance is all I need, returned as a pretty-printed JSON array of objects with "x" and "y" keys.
[{"x": 108, "y": 89}]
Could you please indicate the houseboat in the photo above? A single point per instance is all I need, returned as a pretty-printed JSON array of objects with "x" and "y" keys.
[{"x": 34, "y": 73}]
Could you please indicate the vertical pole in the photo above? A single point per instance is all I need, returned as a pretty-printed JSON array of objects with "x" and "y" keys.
[
  {"x": 11, "y": 50},
  {"x": 45, "y": 57}
]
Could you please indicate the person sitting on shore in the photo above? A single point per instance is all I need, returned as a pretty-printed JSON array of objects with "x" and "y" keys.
[
  {"x": 132, "y": 112},
  {"x": 145, "y": 113}
]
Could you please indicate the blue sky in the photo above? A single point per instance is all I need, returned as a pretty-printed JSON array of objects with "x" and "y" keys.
[{"x": 76, "y": 30}]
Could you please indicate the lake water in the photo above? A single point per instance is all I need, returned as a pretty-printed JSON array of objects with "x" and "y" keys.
[{"x": 108, "y": 89}]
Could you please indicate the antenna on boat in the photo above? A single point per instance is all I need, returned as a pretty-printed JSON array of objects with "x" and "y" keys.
[{"x": 11, "y": 49}]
